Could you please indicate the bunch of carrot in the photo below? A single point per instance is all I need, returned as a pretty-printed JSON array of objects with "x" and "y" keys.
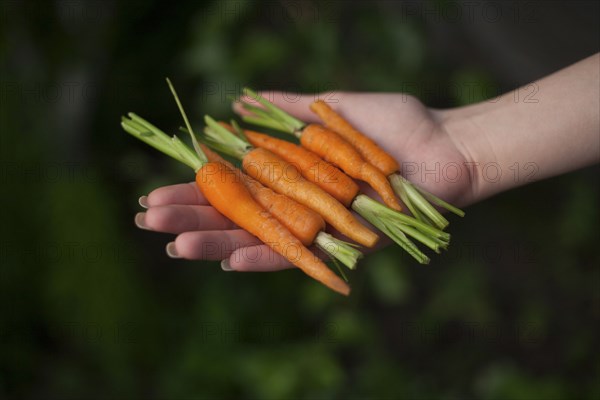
[
  {"x": 289, "y": 193},
  {"x": 337, "y": 131},
  {"x": 289, "y": 169}
]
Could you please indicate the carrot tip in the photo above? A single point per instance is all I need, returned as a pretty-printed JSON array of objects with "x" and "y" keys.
[{"x": 341, "y": 288}]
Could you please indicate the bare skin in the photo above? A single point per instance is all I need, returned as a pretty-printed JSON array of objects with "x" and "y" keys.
[{"x": 462, "y": 155}]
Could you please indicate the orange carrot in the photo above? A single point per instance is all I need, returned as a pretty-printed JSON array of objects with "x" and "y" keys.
[
  {"x": 229, "y": 196},
  {"x": 314, "y": 168},
  {"x": 284, "y": 178},
  {"x": 300, "y": 220},
  {"x": 367, "y": 148},
  {"x": 333, "y": 148}
]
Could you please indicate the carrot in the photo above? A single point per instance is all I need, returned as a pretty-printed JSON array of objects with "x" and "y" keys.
[
  {"x": 337, "y": 151},
  {"x": 367, "y": 148},
  {"x": 313, "y": 167},
  {"x": 301, "y": 221},
  {"x": 284, "y": 178},
  {"x": 228, "y": 194}
]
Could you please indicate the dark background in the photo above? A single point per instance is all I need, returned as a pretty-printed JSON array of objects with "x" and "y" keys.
[{"x": 91, "y": 307}]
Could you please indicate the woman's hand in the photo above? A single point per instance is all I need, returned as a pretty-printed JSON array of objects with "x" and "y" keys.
[{"x": 399, "y": 123}]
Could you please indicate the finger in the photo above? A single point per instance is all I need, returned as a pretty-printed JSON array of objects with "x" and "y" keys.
[
  {"x": 184, "y": 193},
  {"x": 295, "y": 104},
  {"x": 212, "y": 245},
  {"x": 181, "y": 218},
  {"x": 259, "y": 258}
]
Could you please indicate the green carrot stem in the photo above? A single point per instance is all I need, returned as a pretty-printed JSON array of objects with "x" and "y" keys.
[
  {"x": 187, "y": 153},
  {"x": 160, "y": 141},
  {"x": 427, "y": 209},
  {"x": 433, "y": 243},
  {"x": 339, "y": 249},
  {"x": 221, "y": 139},
  {"x": 265, "y": 123},
  {"x": 441, "y": 203},
  {"x": 199, "y": 151},
  {"x": 394, "y": 230},
  {"x": 337, "y": 266},
  {"x": 261, "y": 112},
  {"x": 400, "y": 238},
  {"x": 143, "y": 124},
  {"x": 276, "y": 112},
  {"x": 402, "y": 186},
  {"x": 384, "y": 211},
  {"x": 238, "y": 130},
  {"x": 406, "y": 200}
]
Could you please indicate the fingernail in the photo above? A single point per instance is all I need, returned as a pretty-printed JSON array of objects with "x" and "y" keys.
[
  {"x": 143, "y": 201},
  {"x": 225, "y": 266},
  {"x": 172, "y": 250},
  {"x": 140, "y": 220}
]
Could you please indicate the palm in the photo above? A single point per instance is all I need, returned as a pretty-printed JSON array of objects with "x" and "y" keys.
[{"x": 410, "y": 132}]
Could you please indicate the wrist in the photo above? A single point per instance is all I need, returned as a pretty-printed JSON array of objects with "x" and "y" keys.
[{"x": 471, "y": 141}]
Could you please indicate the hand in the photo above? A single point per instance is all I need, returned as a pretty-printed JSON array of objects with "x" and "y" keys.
[{"x": 403, "y": 127}]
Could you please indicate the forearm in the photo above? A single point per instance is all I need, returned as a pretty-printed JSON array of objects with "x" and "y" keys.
[{"x": 512, "y": 141}]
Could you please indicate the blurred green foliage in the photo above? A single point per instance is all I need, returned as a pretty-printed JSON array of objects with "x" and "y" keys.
[{"x": 91, "y": 307}]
